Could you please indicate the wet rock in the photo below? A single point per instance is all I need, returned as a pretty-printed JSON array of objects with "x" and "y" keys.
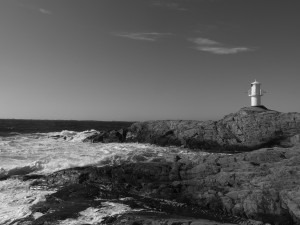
[
  {"x": 95, "y": 138},
  {"x": 113, "y": 136}
]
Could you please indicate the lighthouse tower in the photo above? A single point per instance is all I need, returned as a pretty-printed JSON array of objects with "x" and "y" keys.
[{"x": 255, "y": 94}]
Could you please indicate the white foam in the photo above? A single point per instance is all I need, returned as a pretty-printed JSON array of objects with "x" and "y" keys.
[
  {"x": 96, "y": 215},
  {"x": 22, "y": 170},
  {"x": 83, "y": 135},
  {"x": 40, "y": 154},
  {"x": 16, "y": 199}
]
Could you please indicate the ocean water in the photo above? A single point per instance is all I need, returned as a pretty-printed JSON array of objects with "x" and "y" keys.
[{"x": 40, "y": 153}]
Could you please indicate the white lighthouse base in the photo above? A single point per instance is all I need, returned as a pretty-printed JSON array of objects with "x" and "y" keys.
[{"x": 255, "y": 101}]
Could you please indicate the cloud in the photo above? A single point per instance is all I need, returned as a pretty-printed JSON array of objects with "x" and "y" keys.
[
  {"x": 204, "y": 41},
  {"x": 224, "y": 50},
  {"x": 207, "y": 45},
  {"x": 151, "y": 36},
  {"x": 44, "y": 11}
]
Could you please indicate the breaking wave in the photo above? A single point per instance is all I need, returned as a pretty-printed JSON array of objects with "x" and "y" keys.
[{"x": 45, "y": 153}]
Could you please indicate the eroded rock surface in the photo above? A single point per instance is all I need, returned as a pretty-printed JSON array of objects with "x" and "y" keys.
[
  {"x": 262, "y": 185},
  {"x": 250, "y": 128}
]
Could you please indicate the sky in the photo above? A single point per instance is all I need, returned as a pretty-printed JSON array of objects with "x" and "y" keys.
[{"x": 133, "y": 60}]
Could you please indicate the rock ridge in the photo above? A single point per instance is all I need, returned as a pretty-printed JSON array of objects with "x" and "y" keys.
[{"x": 248, "y": 129}]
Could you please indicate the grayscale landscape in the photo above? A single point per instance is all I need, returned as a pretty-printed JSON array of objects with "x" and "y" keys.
[{"x": 149, "y": 112}]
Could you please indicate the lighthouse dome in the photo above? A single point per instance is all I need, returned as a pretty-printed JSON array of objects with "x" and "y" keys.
[{"x": 255, "y": 82}]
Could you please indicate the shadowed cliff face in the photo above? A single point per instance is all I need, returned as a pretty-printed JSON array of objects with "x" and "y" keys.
[{"x": 248, "y": 129}]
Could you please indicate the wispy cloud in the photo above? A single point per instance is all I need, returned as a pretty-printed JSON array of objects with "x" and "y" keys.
[
  {"x": 224, "y": 50},
  {"x": 204, "y": 41},
  {"x": 44, "y": 11},
  {"x": 169, "y": 5},
  {"x": 207, "y": 45},
  {"x": 144, "y": 36},
  {"x": 32, "y": 7}
]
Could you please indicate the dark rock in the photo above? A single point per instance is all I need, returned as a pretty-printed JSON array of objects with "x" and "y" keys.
[
  {"x": 248, "y": 129},
  {"x": 160, "y": 218},
  {"x": 108, "y": 136},
  {"x": 261, "y": 185},
  {"x": 95, "y": 138},
  {"x": 113, "y": 136}
]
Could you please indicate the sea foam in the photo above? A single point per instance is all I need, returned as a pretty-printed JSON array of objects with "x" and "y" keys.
[{"x": 42, "y": 154}]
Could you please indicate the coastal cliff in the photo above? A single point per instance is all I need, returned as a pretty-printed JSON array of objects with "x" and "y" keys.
[
  {"x": 257, "y": 182},
  {"x": 248, "y": 129}
]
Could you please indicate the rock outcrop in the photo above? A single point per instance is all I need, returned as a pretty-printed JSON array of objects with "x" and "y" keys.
[
  {"x": 114, "y": 136},
  {"x": 93, "y": 136},
  {"x": 262, "y": 185},
  {"x": 248, "y": 129}
]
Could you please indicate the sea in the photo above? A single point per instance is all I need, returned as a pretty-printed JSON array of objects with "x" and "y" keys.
[{"x": 29, "y": 147}]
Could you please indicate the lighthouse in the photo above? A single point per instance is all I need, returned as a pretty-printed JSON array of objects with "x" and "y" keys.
[{"x": 255, "y": 93}]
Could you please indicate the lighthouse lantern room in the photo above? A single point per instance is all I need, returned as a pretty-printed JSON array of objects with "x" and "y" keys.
[{"x": 255, "y": 93}]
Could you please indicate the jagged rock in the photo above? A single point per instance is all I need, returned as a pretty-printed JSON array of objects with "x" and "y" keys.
[
  {"x": 95, "y": 138},
  {"x": 108, "y": 136},
  {"x": 250, "y": 128},
  {"x": 261, "y": 185}
]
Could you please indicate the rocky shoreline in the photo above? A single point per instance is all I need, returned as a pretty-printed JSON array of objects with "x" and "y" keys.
[
  {"x": 262, "y": 185},
  {"x": 248, "y": 129},
  {"x": 248, "y": 187}
]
